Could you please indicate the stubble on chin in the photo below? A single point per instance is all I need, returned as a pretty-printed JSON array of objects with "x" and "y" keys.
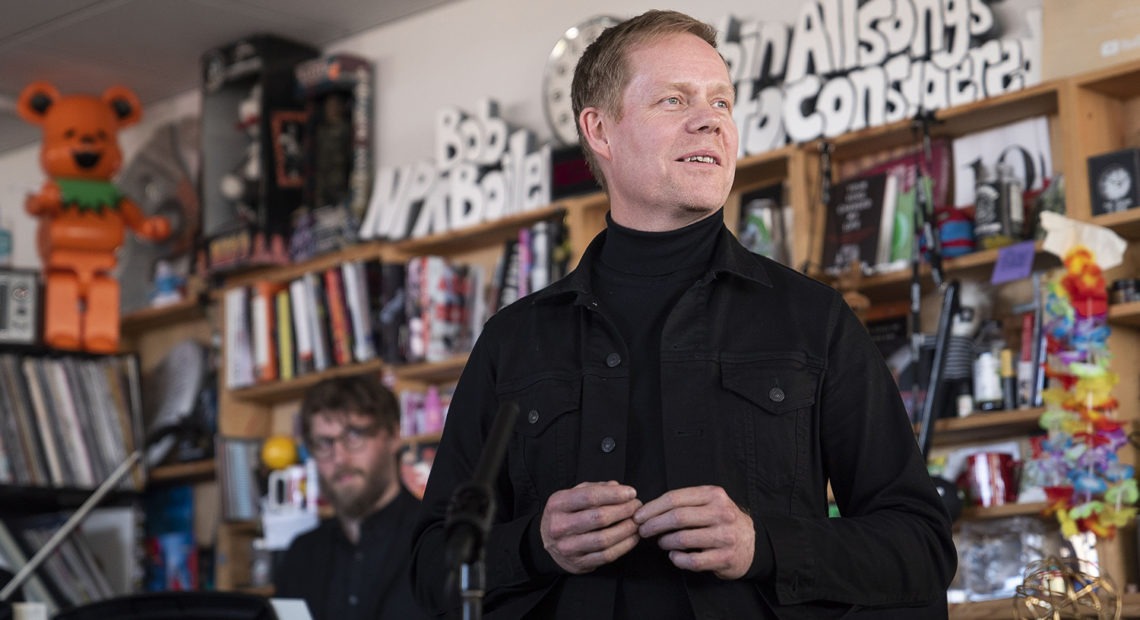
[{"x": 354, "y": 502}]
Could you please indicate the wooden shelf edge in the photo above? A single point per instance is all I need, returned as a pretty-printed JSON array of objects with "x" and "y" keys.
[
  {"x": 1124, "y": 223},
  {"x": 1125, "y": 314},
  {"x": 977, "y": 513},
  {"x": 280, "y": 391},
  {"x": 454, "y": 240},
  {"x": 415, "y": 440},
  {"x": 273, "y": 392},
  {"x": 432, "y": 372},
  {"x": 887, "y": 285},
  {"x": 162, "y": 316},
  {"x": 986, "y": 425},
  {"x": 192, "y": 470}
]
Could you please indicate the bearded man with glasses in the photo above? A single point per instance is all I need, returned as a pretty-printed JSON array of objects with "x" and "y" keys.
[{"x": 355, "y": 564}]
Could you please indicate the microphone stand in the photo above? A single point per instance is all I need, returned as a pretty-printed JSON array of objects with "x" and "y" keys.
[
  {"x": 471, "y": 511},
  {"x": 924, "y": 226}
]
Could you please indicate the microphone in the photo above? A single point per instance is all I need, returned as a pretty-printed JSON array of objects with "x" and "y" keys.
[{"x": 472, "y": 508}]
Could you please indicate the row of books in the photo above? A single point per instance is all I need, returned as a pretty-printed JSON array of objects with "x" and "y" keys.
[
  {"x": 426, "y": 309},
  {"x": 96, "y": 561},
  {"x": 424, "y": 412},
  {"x": 238, "y": 463},
  {"x": 68, "y": 421},
  {"x": 870, "y": 213}
]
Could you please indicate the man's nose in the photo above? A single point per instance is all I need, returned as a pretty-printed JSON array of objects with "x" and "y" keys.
[
  {"x": 705, "y": 119},
  {"x": 339, "y": 451}
]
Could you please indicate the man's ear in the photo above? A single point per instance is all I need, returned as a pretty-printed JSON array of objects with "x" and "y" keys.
[{"x": 594, "y": 123}]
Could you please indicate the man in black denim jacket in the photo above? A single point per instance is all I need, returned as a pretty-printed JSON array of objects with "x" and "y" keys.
[{"x": 685, "y": 403}]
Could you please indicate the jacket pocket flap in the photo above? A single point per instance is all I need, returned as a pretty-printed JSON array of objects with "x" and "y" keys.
[
  {"x": 543, "y": 402},
  {"x": 776, "y": 387}
]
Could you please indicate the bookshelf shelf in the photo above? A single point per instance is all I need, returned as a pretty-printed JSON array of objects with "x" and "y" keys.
[
  {"x": 977, "y": 265},
  {"x": 283, "y": 391},
  {"x": 359, "y": 251},
  {"x": 21, "y": 500},
  {"x": 473, "y": 237},
  {"x": 432, "y": 372},
  {"x": 151, "y": 318},
  {"x": 1124, "y": 223},
  {"x": 975, "y": 513},
  {"x": 183, "y": 472},
  {"x": 1038, "y": 100},
  {"x": 983, "y": 425},
  {"x": 416, "y": 440},
  {"x": 1125, "y": 314}
]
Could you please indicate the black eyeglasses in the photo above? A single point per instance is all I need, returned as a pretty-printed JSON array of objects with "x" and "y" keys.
[{"x": 352, "y": 438}]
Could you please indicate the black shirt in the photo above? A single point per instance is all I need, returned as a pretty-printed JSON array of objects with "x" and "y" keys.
[
  {"x": 343, "y": 581},
  {"x": 639, "y": 277}
]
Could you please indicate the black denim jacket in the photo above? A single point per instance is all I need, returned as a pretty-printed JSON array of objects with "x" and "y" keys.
[{"x": 770, "y": 388}]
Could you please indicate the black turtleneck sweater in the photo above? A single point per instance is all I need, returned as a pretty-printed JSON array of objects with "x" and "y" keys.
[{"x": 639, "y": 277}]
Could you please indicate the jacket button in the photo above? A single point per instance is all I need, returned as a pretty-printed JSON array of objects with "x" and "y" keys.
[
  {"x": 608, "y": 444},
  {"x": 532, "y": 417},
  {"x": 613, "y": 359},
  {"x": 776, "y": 394}
]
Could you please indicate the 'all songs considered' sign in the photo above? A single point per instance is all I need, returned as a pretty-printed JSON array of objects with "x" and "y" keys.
[{"x": 845, "y": 65}]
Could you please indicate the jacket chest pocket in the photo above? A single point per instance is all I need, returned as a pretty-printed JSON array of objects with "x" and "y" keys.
[
  {"x": 769, "y": 404},
  {"x": 541, "y": 458}
]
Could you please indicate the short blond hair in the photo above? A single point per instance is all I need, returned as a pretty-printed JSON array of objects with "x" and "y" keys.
[{"x": 603, "y": 70}]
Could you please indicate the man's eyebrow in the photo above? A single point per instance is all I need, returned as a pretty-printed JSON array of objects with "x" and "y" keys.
[
  {"x": 722, "y": 89},
  {"x": 725, "y": 90}
]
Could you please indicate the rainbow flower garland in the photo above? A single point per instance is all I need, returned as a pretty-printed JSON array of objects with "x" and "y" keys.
[{"x": 1088, "y": 488}]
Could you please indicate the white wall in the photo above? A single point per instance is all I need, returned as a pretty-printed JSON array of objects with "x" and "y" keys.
[{"x": 454, "y": 55}]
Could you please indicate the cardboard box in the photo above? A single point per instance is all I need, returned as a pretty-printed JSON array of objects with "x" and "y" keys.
[{"x": 1083, "y": 35}]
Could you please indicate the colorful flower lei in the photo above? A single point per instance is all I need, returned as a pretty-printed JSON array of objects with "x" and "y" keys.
[{"x": 1090, "y": 489}]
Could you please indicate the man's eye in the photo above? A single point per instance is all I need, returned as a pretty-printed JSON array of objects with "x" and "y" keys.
[
  {"x": 723, "y": 104},
  {"x": 673, "y": 100}
]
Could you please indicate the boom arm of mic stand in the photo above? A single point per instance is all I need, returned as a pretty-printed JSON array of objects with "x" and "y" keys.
[
  {"x": 72, "y": 522},
  {"x": 471, "y": 511}
]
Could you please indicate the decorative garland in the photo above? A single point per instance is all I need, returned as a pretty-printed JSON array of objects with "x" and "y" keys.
[{"x": 1088, "y": 488}]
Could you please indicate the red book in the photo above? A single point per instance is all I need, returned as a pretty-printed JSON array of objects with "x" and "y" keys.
[{"x": 340, "y": 325}]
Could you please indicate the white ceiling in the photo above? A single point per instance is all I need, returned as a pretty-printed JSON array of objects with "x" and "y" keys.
[{"x": 154, "y": 46}]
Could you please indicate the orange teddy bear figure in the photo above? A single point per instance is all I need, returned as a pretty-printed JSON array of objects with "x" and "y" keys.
[{"x": 83, "y": 217}]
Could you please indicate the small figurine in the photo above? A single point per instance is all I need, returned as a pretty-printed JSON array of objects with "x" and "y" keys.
[
  {"x": 83, "y": 216},
  {"x": 169, "y": 285},
  {"x": 241, "y": 186}
]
